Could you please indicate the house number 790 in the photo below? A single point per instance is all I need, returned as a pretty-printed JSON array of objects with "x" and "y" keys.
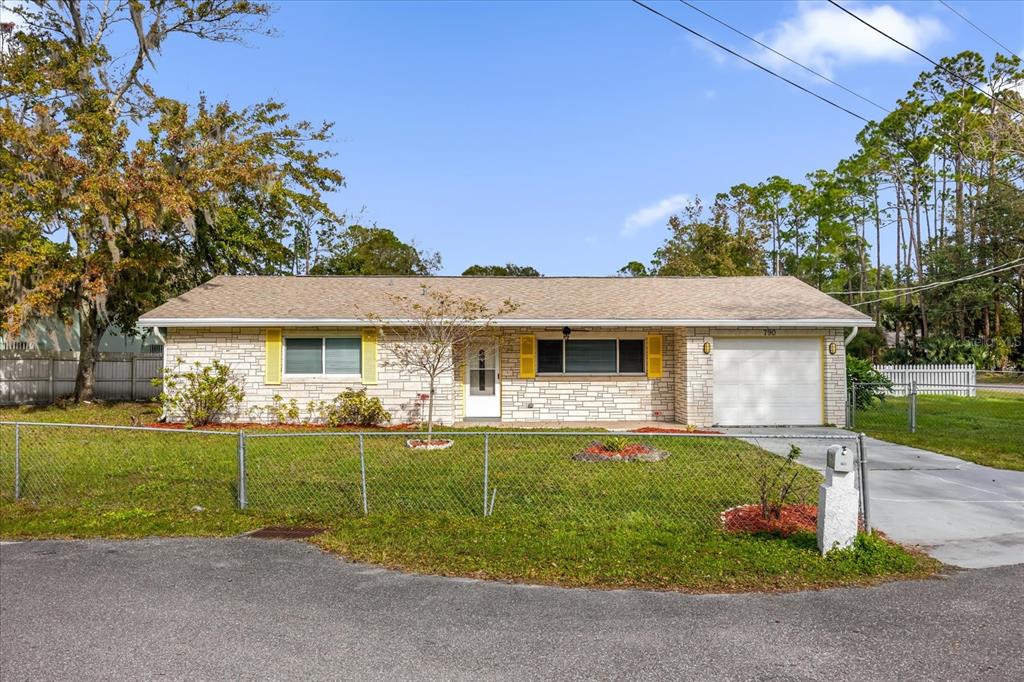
[{"x": 769, "y": 332}]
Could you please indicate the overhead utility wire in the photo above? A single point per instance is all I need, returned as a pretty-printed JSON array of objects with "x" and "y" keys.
[
  {"x": 937, "y": 284},
  {"x": 909, "y": 290},
  {"x": 796, "y": 85},
  {"x": 927, "y": 58},
  {"x": 826, "y": 100},
  {"x": 750, "y": 61},
  {"x": 977, "y": 28},
  {"x": 787, "y": 58}
]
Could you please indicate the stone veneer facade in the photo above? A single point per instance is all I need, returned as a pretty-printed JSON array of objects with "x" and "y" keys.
[
  {"x": 244, "y": 349},
  {"x": 582, "y": 398},
  {"x": 682, "y": 394}
]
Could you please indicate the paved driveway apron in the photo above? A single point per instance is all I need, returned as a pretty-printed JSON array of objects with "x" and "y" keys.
[
  {"x": 246, "y": 609},
  {"x": 962, "y": 513}
]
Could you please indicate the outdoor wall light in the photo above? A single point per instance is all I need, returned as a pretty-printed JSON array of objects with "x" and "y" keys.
[
  {"x": 565, "y": 332},
  {"x": 707, "y": 348},
  {"x": 832, "y": 348}
]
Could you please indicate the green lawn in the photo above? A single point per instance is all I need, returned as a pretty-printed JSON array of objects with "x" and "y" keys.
[
  {"x": 555, "y": 520},
  {"x": 988, "y": 429},
  {"x": 1001, "y": 377}
]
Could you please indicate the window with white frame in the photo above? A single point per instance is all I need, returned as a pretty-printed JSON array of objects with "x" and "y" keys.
[
  {"x": 590, "y": 356},
  {"x": 323, "y": 355}
]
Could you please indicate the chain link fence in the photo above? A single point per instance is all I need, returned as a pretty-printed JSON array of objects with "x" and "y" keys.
[
  {"x": 679, "y": 478},
  {"x": 912, "y": 407}
]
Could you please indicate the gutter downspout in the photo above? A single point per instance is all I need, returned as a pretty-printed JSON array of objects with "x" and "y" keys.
[
  {"x": 163, "y": 366},
  {"x": 852, "y": 334}
]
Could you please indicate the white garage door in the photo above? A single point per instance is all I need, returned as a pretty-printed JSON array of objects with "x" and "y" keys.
[{"x": 767, "y": 381}]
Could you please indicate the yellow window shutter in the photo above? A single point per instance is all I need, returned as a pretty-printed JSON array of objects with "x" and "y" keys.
[
  {"x": 527, "y": 356},
  {"x": 655, "y": 361},
  {"x": 369, "y": 356},
  {"x": 273, "y": 373}
]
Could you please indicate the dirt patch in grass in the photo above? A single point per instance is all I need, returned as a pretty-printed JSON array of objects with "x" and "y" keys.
[{"x": 632, "y": 452}]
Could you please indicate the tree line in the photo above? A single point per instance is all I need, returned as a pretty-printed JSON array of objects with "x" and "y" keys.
[{"x": 939, "y": 178}]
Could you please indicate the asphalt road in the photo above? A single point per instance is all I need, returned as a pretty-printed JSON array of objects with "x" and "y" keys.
[{"x": 265, "y": 609}]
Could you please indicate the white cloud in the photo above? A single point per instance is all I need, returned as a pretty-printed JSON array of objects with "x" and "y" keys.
[
  {"x": 823, "y": 37},
  {"x": 649, "y": 215}
]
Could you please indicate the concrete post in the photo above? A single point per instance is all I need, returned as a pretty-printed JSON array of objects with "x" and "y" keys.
[{"x": 838, "y": 502}]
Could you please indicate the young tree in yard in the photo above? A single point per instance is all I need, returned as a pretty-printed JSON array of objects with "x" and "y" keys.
[
  {"x": 114, "y": 198},
  {"x": 441, "y": 323}
]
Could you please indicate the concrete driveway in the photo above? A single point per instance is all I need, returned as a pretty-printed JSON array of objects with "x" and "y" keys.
[
  {"x": 962, "y": 513},
  {"x": 246, "y": 609}
]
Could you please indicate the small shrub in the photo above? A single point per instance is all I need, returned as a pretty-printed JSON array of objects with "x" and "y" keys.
[
  {"x": 871, "y": 384},
  {"x": 775, "y": 480},
  {"x": 201, "y": 394},
  {"x": 283, "y": 411},
  {"x": 316, "y": 412},
  {"x": 615, "y": 444},
  {"x": 355, "y": 407}
]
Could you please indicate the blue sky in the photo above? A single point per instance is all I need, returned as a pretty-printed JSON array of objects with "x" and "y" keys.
[{"x": 559, "y": 134}]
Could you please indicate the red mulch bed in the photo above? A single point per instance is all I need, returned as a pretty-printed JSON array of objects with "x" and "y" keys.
[
  {"x": 257, "y": 426},
  {"x": 628, "y": 451},
  {"x": 666, "y": 429},
  {"x": 794, "y": 518}
]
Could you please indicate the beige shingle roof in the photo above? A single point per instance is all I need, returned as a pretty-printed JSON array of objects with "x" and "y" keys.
[{"x": 786, "y": 301}]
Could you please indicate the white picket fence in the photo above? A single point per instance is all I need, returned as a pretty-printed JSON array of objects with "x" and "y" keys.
[
  {"x": 43, "y": 376},
  {"x": 932, "y": 379}
]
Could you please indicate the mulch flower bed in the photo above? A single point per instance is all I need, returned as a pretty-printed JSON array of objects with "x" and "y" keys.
[
  {"x": 668, "y": 429},
  {"x": 638, "y": 452},
  {"x": 794, "y": 518},
  {"x": 259, "y": 426},
  {"x": 432, "y": 444}
]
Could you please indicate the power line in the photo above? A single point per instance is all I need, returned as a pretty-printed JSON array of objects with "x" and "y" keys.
[
  {"x": 977, "y": 28},
  {"x": 926, "y": 57},
  {"x": 911, "y": 289},
  {"x": 789, "y": 59},
  {"x": 933, "y": 285},
  {"x": 898, "y": 143},
  {"x": 750, "y": 61}
]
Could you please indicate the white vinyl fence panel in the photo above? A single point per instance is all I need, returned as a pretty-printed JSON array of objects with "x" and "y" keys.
[
  {"x": 932, "y": 379},
  {"x": 44, "y": 376}
]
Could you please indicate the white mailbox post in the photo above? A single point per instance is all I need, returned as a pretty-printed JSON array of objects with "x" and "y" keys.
[{"x": 838, "y": 501}]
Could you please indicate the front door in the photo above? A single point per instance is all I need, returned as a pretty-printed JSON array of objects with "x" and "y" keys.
[{"x": 483, "y": 394}]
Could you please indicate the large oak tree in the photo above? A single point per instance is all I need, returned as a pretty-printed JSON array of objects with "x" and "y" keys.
[{"x": 113, "y": 197}]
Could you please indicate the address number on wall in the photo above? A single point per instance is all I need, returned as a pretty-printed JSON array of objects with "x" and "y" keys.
[{"x": 769, "y": 331}]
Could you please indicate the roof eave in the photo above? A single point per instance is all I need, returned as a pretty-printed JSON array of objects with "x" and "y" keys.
[{"x": 810, "y": 322}]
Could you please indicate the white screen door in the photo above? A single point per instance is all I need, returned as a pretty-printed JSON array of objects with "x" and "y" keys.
[{"x": 483, "y": 393}]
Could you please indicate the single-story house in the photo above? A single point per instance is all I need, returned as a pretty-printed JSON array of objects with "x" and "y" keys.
[{"x": 702, "y": 351}]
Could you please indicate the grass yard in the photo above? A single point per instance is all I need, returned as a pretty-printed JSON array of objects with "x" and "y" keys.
[
  {"x": 555, "y": 520},
  {"x": 988, "y": 429},
  {"x": 1012, "y": 378},
  {"x": 115, "y": 414}
]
